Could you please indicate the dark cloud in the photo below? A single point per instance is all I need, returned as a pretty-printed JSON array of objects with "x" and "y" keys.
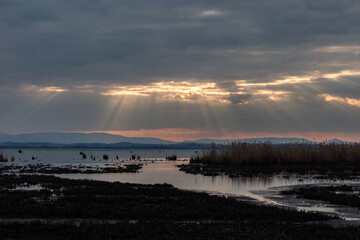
[
  {"x": 238, "y": 98},
  {"x": 344, "y": 86},
  {"x": 126, "y": 41}
]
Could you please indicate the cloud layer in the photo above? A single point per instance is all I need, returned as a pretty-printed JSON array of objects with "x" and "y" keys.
[{"x": 263, "y": 66}]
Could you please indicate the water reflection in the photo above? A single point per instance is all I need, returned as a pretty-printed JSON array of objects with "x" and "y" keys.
[
  {"x": 261, "y": 189},
  {"x": 167, "y": 172}
]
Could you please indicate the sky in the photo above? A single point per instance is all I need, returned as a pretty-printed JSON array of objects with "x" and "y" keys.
[{"x": 181, "y": 70}]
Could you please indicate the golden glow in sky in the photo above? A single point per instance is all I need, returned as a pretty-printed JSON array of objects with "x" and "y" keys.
[
  {"x": 185, "y": 90},
  {"x": 121, "y": 105},
  {"x": 207, "y": 91},
  {"x": 349, "y": 101},
  {"x": 210, "y": 92}
]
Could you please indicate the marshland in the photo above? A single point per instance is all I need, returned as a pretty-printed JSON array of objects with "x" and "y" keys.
[
  {"x": 291, "y": 187},
  {"x": 87, "y": 209},
  {"x": 109, "y": 110}
]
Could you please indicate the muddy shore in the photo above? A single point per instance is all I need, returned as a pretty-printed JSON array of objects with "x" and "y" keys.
[{"x": 120, "y": 210}]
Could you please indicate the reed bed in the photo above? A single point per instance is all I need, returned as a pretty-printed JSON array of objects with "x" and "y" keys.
[
  {"x": 171, "y": 157},
  {"x": 3, "y": 158},
  {"x": 238, "y": 153}
]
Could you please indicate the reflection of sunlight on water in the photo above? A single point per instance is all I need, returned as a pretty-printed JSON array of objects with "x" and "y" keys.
[{"x": 167, "y": 172}]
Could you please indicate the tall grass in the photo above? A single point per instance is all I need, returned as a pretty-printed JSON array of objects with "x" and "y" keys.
[
  {"x": 3, "y": 158},
  {"x": 171, "y": 157},
  {"x": 238, "y": 153}
]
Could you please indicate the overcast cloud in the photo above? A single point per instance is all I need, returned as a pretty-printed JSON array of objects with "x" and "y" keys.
[{"x": 266, "y": 66}]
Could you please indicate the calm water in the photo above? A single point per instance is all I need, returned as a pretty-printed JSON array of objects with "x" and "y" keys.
[
  {"x": 72, "y": 156},
  {"x": 260, "y": 189}
]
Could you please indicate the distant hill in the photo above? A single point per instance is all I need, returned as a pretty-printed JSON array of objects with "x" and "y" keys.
[
  {"x": 120, "y": 145},
  {"x": 105, "y": 140},
  {"x": 274, "y": 140},
  {"x": 68, "y": 138}
]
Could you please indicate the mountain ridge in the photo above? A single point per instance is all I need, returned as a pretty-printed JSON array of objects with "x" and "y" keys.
[
  {"x": 69, "y": 138},
  {"x": 106, "y": 138}
]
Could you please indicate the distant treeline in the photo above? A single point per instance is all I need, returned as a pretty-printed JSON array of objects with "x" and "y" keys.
[{"x": 238, "y": 153}]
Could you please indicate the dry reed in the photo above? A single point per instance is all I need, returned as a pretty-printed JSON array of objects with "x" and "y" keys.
[
  {"x": 238, "y": 153},
  {"x": 3, "y": 158}
]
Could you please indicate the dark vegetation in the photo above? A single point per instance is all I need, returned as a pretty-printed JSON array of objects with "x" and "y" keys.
[
  {"x": 159, "y": 211},
  {"x": 342, "y": 195},
  {"x": 49, "y": 169},
  {"x": 138, "y": 211},
  {"x": 170, "y": 230},
  {"x": 171, "y": 157},
  {"x": 3, "y": 158},
  {"x": 64, "y": 198},
  {"x": 238, "y": 153},
  {"x": 135, "y": 157},
  {"x": 244, "y": 159},
  {"x": 330, "y": 171}
]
